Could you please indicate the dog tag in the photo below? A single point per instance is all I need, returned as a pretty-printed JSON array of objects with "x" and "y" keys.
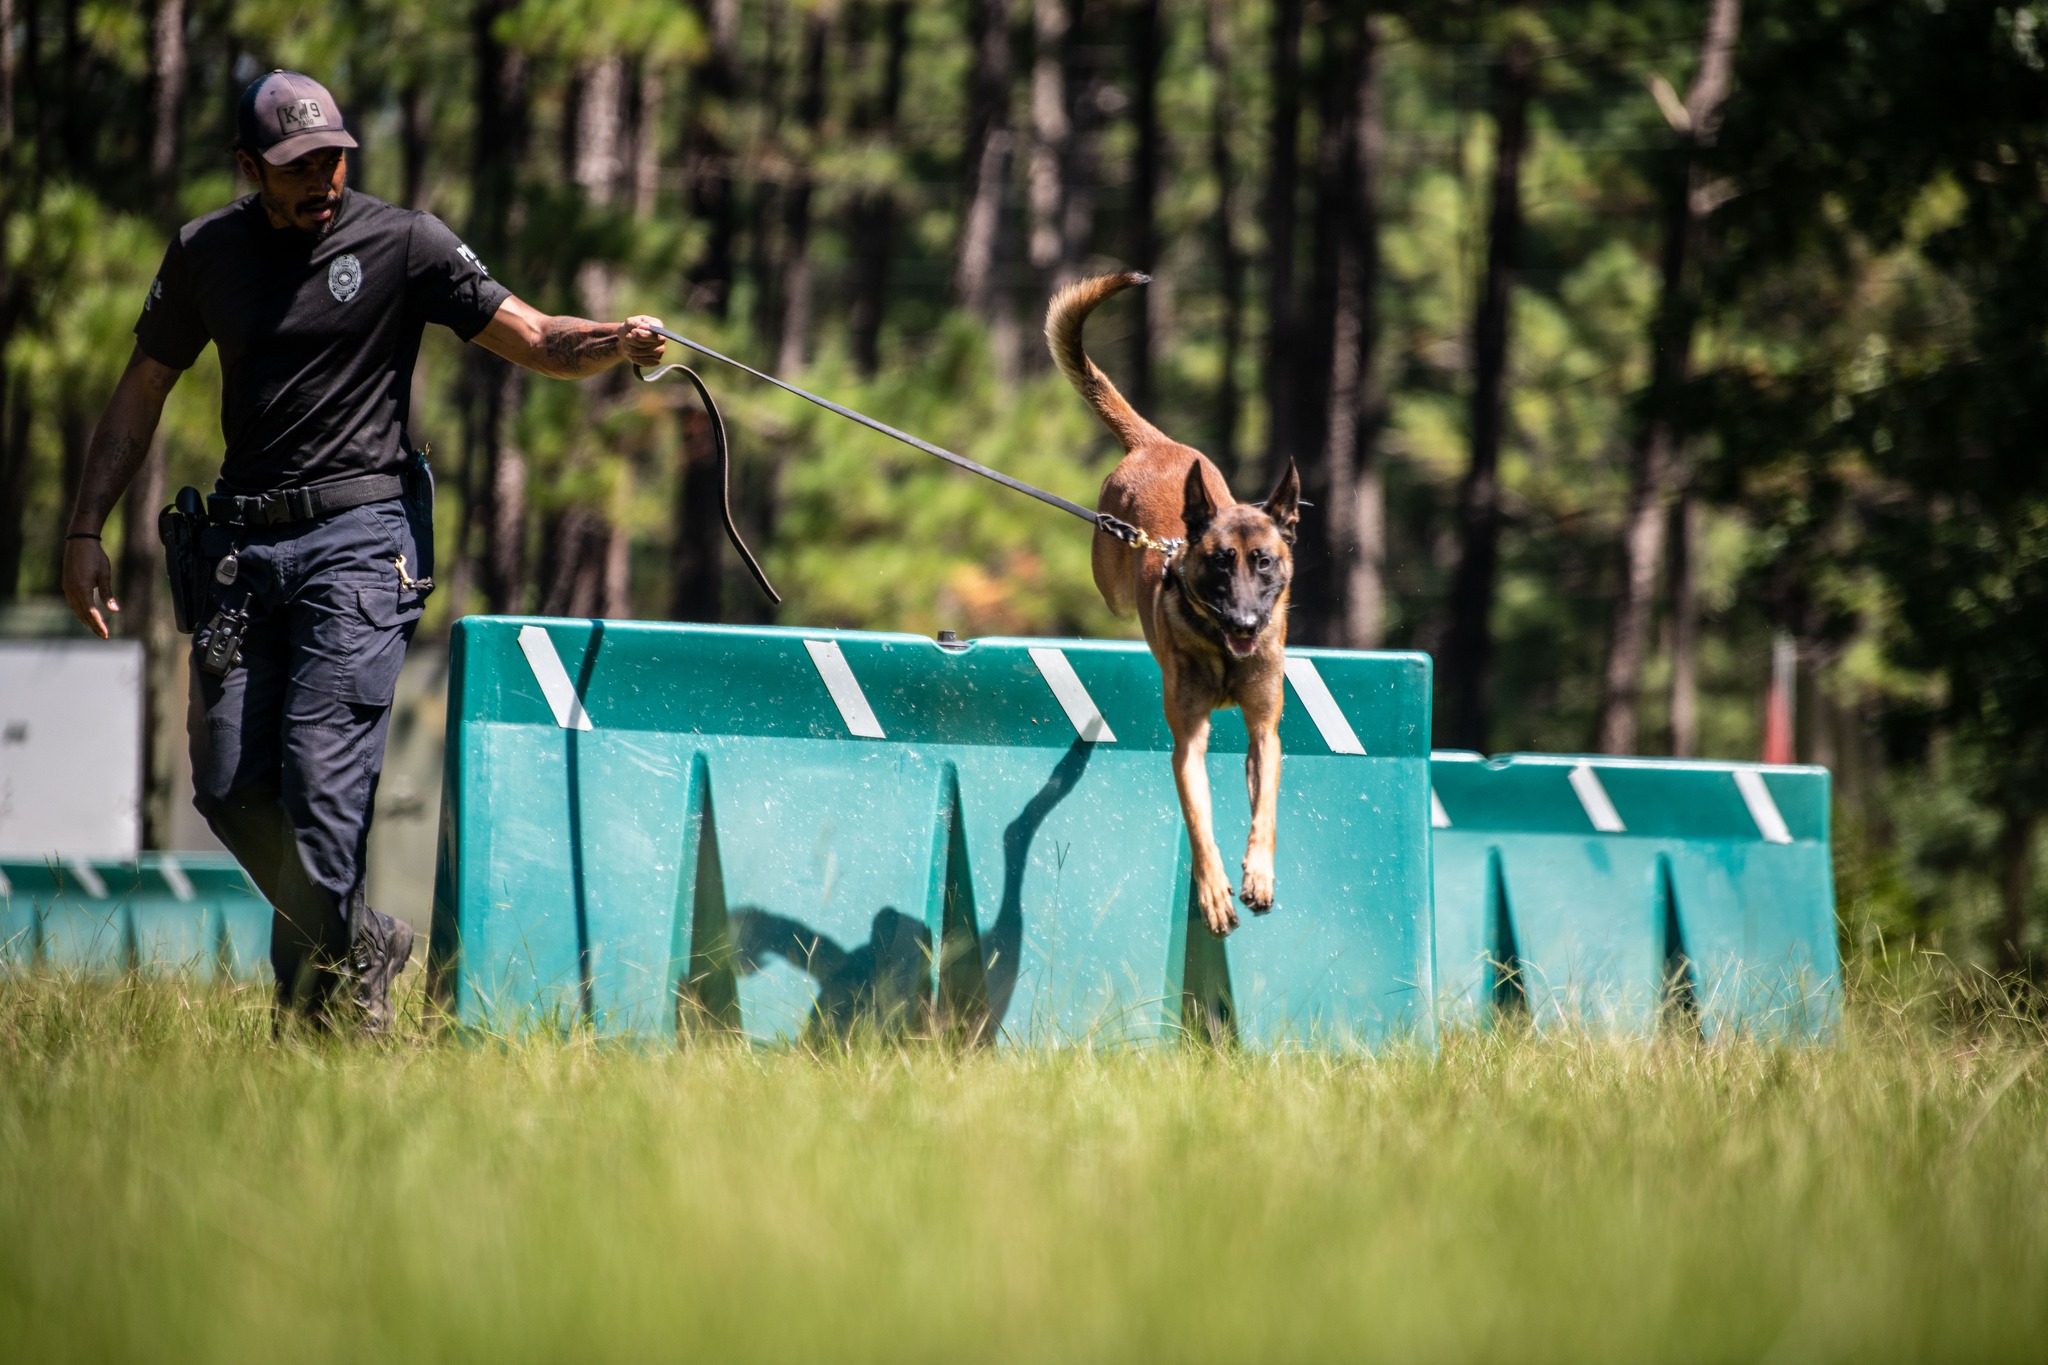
[{"x": 224, "y": 573}]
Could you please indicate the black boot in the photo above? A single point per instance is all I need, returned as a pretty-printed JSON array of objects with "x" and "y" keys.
[
  {"x": 379, "y": 947},
  {"x": 307, "y": 962}
]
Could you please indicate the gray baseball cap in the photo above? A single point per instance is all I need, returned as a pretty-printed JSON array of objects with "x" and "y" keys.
[{"x": 284, "y": 115}]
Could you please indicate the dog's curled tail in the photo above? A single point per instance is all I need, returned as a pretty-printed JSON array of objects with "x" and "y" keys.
[{"x": 1063, "y": 318}]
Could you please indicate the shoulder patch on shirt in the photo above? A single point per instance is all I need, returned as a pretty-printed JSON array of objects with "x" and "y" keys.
[
  {"x": 156, "y": 291},
  {"x": 462, "y": 250},
  {"x": 344, "y": 278}
]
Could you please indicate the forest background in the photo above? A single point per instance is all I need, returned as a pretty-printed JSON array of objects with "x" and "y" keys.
[{"x": 1628, "y": 350}]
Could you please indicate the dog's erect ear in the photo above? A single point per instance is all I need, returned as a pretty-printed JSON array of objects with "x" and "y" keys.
[
  {"x": 1198, "y": 509},
  {"x": 1284, "y": 505}
]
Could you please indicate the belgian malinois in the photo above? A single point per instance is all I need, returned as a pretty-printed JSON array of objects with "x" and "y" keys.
[{"x": 1214, "y": 613}]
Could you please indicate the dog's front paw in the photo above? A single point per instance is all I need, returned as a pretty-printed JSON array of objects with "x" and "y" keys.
[
  {"x": 1218, "y": 911},
  {"x": 1258, "y": 886}
]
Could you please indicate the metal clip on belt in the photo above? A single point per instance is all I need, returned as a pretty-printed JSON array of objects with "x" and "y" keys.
[{"x": 287, "y": 505}]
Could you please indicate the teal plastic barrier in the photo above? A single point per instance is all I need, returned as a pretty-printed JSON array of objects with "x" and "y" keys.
[
  {"x": 185, "y": 912},
  {"x": 779, "y": 831},
  {"x": 1604, "y": 891}
]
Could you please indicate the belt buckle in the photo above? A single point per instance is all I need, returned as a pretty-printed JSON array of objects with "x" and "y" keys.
[{"x": 298, "y": 504}]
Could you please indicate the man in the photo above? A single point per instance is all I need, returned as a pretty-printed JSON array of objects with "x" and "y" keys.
[{"x": 319, "y": 534}]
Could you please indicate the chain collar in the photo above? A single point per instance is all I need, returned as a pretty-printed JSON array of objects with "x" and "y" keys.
[{"x": 1138, "y": 536}]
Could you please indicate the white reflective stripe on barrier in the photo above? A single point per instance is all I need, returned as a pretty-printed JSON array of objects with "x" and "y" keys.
[
  {"x": 1593, "y": 797},
  {"x": 88, "y": 877},
  {"x": 554, "y": 682},
  {"x": 845, "y": 689},
  {"x": 1066, "y": 685},
  {"x": 1439, "y": 818},
  {"x": 1321, "y": 706},
  {"x": 174, "y": 876},
  {"x": 1770, "y": 822}
]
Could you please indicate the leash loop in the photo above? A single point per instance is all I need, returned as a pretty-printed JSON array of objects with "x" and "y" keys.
[{"x": 732, "y": 531}]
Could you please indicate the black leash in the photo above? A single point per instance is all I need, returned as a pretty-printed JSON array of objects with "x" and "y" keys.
[
  {"x": 1122, "y": 530},
  {"x": 732, "y": 532}
]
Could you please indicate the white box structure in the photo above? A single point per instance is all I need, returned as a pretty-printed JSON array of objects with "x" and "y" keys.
[{"x": 70, "y": 748}]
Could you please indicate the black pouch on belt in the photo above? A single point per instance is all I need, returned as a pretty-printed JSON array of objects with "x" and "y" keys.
[
  {"x": 418, "y": 477},
  {"x": 179, "y": 526}
]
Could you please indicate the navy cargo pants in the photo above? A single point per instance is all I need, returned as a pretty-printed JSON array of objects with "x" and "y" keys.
[{"x": 287, "y": 748}]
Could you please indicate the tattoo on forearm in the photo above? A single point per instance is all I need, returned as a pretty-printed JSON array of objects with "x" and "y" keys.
[
  {"x": 110, "y": 465},
  {"x": 576, "y": 346}
]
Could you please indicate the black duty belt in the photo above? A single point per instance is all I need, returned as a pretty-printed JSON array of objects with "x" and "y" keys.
[{"x": 286, "y": 505}]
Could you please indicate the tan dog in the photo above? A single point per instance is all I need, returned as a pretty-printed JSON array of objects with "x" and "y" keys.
[{"x": 1215, "y": 614}]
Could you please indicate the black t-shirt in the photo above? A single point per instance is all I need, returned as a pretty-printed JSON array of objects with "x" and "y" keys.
[{"x": 317, "y": 335}]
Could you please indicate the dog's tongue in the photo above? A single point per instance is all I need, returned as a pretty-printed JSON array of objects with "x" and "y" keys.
[{"x": 1241, "y": 645}]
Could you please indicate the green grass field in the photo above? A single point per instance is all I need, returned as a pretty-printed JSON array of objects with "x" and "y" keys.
[{"x": 175, "y": 1187}]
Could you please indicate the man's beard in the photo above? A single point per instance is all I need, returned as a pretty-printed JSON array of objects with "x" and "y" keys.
[
  {"x": 322, "y": 229},
  {"x": 292, "y": 213}
]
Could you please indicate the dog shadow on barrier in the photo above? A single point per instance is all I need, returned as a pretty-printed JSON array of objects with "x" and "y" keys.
[
  {"x": 1001, "y": 949},
  {"x": 883, "y": 985},
  {"x": 898, "y": 982}
]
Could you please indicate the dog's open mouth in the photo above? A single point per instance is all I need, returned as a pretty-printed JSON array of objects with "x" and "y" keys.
[{"x": 1240, "y": 645}]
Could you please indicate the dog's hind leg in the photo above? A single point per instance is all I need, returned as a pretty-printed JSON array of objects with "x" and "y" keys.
[
  {"x": 1262, "y": 783},
  {"x": 1191, "y": 779},
  {"x": 1115, "y": 566}
]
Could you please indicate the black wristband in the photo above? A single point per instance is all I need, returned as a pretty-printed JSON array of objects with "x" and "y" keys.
[{"x": 83, "y": 535}]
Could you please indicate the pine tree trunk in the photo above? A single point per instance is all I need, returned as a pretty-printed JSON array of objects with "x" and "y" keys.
[
  {"x": 505, "y": 564},
  {"x": 763, "y": 226},
  {"x": 873, "y": 228},
  {"x": 580, "y": 552},
  {"x": 697, "y": 593},
  {"x": 14, "y": 476},
  {"x": 590, "y": 577},
  {"x": 1657, "y": 455},
  {"x": 1467, "y": 658},
  {"x": 167, "y": 69},
  {"x": 1685, "y": 625},
  {"x": 493, "y": 474},
  {"x": 142, "y": 566},
  {"x": 1148, "y": 42},
  {"x": 1356, "y": 405},
  {"x": 7, "y": 19},
  {"x": 1217, "y": 48},
  {"x": 77, "y": 132},
  {"x": 596, "y": 167},
  {"x": 1343, "y": 322},
  {"x": 649, "y": 95},
  {"x": 1283, "y": 171},
  {"x": 42, "y": 111},
  {"x": 710, "y": 161},
  {"x": 415, "y": 118},
  {"x": 796, "y": 219},
  {"x": 1052, "y": 140},
  {"x": 986, "y": 156},
  {"x": 1365, "y": 595}
]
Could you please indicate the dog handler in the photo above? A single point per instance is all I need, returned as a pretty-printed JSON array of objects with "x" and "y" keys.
[{"x": 313, "y": 554}]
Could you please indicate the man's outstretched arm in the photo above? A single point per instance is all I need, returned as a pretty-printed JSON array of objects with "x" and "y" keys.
[
  {"x": 119, "y": 445},
  {"x": 567, "y": 348}
]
